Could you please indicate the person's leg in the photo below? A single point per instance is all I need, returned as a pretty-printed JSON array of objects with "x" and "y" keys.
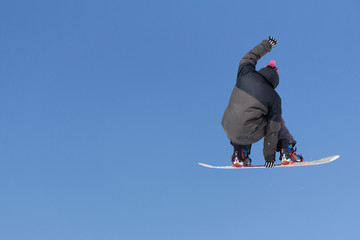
[
  {"x": 285, "y": 137},
  {"x": 286, "y": 145}
]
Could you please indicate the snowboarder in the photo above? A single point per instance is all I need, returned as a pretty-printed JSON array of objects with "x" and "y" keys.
[{"x": 254, "y": 112}]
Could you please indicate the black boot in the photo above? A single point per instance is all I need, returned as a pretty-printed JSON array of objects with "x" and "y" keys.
[{"x": 240, "y": 156}]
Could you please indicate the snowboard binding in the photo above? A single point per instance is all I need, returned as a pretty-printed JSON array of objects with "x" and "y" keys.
[
  {"x": 241, "y": 160},
  {"x": 288, "y": 155}
]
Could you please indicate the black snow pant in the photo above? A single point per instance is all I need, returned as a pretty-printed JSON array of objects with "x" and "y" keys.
[
  {"x": 284, "y": 139},
  {"x": 239, "y": 148}
]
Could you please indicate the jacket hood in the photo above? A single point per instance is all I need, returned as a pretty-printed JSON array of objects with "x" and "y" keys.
[{"x": 271, "y": 75}]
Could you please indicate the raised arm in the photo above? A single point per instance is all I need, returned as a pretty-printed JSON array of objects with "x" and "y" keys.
[{"x": 259, "y": 51}]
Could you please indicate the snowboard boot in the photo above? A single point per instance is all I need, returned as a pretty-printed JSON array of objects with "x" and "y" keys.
[
  {"x": 241, "y": 159},
  {"x": 288, "y": 155}
]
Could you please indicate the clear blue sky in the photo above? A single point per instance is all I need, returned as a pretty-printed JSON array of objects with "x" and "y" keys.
[{"x": 108, "y": 106}]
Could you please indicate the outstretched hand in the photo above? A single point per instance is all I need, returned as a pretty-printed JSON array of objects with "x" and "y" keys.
[
  {"x": 272, "y": 41},
  {"x": 269, "y": 164}
]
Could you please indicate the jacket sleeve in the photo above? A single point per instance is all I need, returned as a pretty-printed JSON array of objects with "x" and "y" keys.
[
  {"x": 255, "y": 54},
  {"x": 272, "y": 130}
]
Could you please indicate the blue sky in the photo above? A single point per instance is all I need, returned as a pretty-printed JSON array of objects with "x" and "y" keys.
[{"x": 108, "y": 106}]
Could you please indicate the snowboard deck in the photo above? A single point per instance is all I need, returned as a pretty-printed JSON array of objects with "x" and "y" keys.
[{"x": 300, "y": 164}]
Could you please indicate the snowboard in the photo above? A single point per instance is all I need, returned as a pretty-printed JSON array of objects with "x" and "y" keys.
[{"x": 300, "y": 164}]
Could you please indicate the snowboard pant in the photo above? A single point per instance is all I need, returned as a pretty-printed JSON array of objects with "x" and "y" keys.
[{"x": 284, "y": 139}]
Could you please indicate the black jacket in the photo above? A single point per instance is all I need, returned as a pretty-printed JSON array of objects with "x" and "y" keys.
[{"x": 254, "y": 109}]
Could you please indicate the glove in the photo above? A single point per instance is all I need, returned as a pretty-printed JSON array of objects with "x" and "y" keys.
[
  {"x": 269, "y": 164},
  {"x": 272, "y": 41}
]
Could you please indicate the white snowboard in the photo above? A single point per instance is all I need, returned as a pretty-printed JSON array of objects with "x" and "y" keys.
[{"x": 300, "y": 164}]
